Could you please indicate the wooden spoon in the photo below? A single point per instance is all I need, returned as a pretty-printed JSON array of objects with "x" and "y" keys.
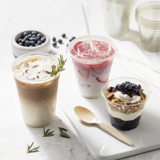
[{"x": 88, "y": 117}]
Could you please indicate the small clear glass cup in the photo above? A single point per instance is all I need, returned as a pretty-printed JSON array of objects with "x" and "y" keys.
[
  {"x": 125, "y": 116},
  {"x": 92, "y": 74},
  {"x": 37, "y": 97},
  {"x": 147, "y": 16},
  {"x": 117, "y": 15}
]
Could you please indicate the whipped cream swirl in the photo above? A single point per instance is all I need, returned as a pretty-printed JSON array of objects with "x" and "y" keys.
[{"x": 126, "y": 98}]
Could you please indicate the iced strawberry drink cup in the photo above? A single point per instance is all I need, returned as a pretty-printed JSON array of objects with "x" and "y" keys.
[{"x": 92, "y": 68}]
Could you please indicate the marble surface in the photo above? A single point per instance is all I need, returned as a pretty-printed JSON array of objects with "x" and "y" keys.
[{"x": 54, "y": 17}]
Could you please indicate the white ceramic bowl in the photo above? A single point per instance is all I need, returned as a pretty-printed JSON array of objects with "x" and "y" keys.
[{"x": 19, "y": 50}]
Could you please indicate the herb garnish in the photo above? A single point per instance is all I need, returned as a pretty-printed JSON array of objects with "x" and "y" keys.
[
  {"x": 47, "y": 133},
  {"x": 59, "y": 67},
  {"x": 62, "y": 133},
  {"x": 29, "y": 150}
]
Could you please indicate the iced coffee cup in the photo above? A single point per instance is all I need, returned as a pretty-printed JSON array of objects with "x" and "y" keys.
[
  {"x": 37, "y": 89},
  {"x": 92, "y": 67},
  {"x": 125, "y": 98}
]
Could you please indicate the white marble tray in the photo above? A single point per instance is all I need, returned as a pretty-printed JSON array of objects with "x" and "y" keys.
[{"x": 101, "y": 145}]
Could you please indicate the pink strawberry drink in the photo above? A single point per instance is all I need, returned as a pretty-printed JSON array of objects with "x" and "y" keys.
[{"x": 92, "y": 68}]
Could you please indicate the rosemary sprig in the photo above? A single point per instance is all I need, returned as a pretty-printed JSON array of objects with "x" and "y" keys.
[
  {"x": 29, "y": 150},
  {"x": 62, "y": 133},
  {"x": 47, "y": 133},
  {"x": 59, "y": 67}
]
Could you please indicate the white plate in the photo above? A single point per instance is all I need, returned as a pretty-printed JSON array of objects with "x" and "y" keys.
[{"x": 101, "y": 145}]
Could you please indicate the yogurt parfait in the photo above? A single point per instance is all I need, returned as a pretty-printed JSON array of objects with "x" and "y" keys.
[{"x": 125, "y": 98}]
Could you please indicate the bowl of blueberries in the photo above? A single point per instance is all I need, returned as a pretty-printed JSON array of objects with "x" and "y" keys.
[{"x": 30, "y": 41}]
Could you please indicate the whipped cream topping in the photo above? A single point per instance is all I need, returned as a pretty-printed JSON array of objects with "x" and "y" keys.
[
  {"x": 37, "y": 68},
  {"x": 126, "y": 98}
]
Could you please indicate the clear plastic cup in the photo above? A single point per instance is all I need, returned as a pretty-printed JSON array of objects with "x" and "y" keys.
[
  {"x": 147, "y": 16},
  {"x": 37, "y": 97},
  {"x": 117, "y": 16},
  {"x": 125, "y": 116},
  {"x": 92, "y": 73}
]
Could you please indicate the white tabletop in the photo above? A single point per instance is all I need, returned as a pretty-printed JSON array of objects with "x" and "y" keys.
[{"x": 53, "y": 17}]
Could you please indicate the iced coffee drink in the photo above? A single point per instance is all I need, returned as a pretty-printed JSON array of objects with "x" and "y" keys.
[{"x": 36, "y": 87}]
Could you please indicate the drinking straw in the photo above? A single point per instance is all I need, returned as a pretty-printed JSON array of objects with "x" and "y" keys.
[
  {"x": 157, "y": 69},
  {"x": 140, "y": 70},
  {"x": 87, "y": 26}
]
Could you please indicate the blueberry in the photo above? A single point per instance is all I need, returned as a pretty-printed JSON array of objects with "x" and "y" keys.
[
  {"x": 43, "y": 39},
  {"x": 54, "y": 44},
  {"x": 19, "y": 40},
  {"x": 123, "y": 92},
  {"x": 72, "y": 38},
  {"x": 23, "y": 41},
  {"x": 29, "y": 35},
  {"x": 21, "y": 44},
  {"x": 128, "y": 86},
  {"x": 110, "y": 89},
  {"x": 126, "y": 82},
  {"x": 54, "y": 39},
  {"x": 26, "y": 37},
  {"x": 60, "y": 41},
  {"x": 27, "y": 43},
  {"x": 139, "y": 86},
  {"x": 138, "y": 92},
  {"x": 39, "y": 35},
  {"x": 24, "y": 34},
  {"x": 120, "y": 86},
  {"x": 39, "y": 42},
  {"x": 31, "y": 46},
  {"x": 34, "y": 36},
  {"x": 115, "y": 88},
  {"x": 132, "y": 91},
  {"x": 31, "y": 38},
  {"x": 32, "y": 43},
  {"x": 37, "y": 38},
  {"x": 134, "y": 85},
  {"x": 33, "y": 32},
  {"x": 63, "y": 35},
  {"x": 34, "y": 39}
]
